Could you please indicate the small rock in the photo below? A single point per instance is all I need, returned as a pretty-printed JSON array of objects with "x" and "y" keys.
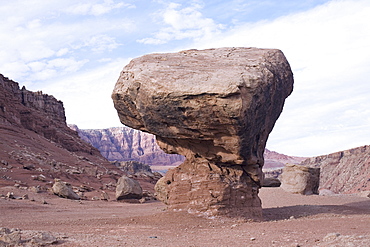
[
  {"x": 142, "y": 200},
  {"x": 271, "y": 182},
  {"x": 235, "y": 225},
  {"x": 4, "y": 162},
  {"x": 365, "y": 193},
  {"x": 331, "y": 236},
  {"x": 10, "y": 195},
  {"x": 326, "y": 192},
  {"x": 104, "y": 196},
  {"x": 43, "y": 239},
  {"x": 35, "y": 189},
  {"x": 11, "y": 237},
  {"x": 252, "y": 239}
]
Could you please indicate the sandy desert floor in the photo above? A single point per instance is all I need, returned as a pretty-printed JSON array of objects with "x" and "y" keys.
[{"x": 289, "y": 220}]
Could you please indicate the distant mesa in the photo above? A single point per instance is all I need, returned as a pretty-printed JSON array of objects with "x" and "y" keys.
[
  {"x": 127, "y": 144},
  {"x": 216, "y": 107}
]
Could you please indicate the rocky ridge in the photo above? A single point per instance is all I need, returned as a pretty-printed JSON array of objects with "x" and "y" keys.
[{"x": 37, "y": 146}]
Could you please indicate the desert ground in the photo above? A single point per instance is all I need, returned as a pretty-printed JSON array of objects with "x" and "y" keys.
[{"x": 289, "y": 220}]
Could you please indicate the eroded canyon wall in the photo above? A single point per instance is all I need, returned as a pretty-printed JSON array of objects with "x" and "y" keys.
[
  {"x": 345, "y": 171},
  {"x": 37, "y": 146},
  {"x": 127, "y": 144}
]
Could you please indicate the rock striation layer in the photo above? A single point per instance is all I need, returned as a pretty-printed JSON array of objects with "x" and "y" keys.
[
  {"x": 216, "y": 107},
  {"x": 343, "y": 172}
]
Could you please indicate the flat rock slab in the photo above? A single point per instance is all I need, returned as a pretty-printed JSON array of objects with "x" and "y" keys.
[{"x": 216, "y": 107}]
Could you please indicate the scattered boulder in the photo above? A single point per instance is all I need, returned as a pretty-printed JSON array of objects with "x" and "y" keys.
[
  {"x": 128, "y": 188},
  {"x": 161, "y": 189},
  {"x": 216, "y": 107},
  {"x": 64, "y": 190},
  {"x": 271, "y": 182},
  {"x": 326, "y": 192},
  {"x": 9, "y": 237},
  {"x": 300, "y": 179},
  {"x": 104, "y": 196},
  {"x": 12, "y": 237},
  {"x": 10, "y": 195},
  {"x": 43, "y": 239}
]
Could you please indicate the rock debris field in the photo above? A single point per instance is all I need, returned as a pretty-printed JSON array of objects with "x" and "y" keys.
[{"x": 288, "y": 220}]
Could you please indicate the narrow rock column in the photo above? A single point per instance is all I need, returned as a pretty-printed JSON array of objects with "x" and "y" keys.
[{"x": 216, "y": 107}]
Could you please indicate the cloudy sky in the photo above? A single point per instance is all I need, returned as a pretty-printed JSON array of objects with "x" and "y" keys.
[{"x": 75, "y": 50}]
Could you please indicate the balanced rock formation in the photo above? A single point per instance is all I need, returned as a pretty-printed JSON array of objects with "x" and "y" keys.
[
  {"x": 216, "y": 107},
  {"x": 299, "y": 179},
  {"x": 344, "y": 172}
]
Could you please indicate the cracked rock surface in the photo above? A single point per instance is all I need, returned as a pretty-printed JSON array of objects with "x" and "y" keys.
[{"x": 216, "y": 107}]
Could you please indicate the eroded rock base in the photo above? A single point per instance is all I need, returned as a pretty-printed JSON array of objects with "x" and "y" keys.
[{"x": 207, "y": 189}]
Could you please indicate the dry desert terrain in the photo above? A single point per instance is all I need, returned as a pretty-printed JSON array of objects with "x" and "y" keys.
[{"x": 289, "y": 220}]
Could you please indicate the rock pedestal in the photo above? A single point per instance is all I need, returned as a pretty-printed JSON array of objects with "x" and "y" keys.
[{"x": 216, "y": 107}]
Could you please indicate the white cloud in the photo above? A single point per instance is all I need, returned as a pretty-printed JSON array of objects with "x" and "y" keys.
[
  {"x": 100, "y": 43},
  {"x": 183, "y": 23},
  {"x": 87, "y": 95},
  {"x": 62, "y": 52},
  {"x": 41, "y": 33},
  {"x": 48, "y": 69},
  {"x": 328, "y": 48},
  {"x": 96, "y": 9}
]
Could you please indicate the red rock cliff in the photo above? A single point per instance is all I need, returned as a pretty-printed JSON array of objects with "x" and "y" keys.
[
  {"x": 344, "y": 172},
  {"x": 37, "y": 145}
]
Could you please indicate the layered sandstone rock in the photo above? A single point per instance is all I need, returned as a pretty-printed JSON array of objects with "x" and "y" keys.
[
  {"x": 216, "y": 107},
  {"x": 343, "y": 172}
]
